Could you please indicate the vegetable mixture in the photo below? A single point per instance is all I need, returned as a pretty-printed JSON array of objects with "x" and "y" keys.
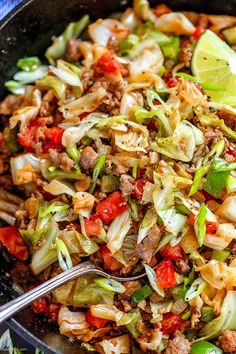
[{"x": 120, "y": 149}]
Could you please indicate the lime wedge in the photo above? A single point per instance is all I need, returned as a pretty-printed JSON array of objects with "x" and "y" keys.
[{"x": 215, "y": 62}]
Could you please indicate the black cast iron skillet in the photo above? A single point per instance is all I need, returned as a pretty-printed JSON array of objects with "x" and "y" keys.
[{"x": 27, "y": 31}]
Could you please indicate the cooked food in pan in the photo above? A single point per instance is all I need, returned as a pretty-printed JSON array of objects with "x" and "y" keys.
[{"x": 119, "y": 148}]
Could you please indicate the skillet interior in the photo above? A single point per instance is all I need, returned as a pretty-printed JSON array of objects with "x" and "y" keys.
[{"x": 27, "y": 31}]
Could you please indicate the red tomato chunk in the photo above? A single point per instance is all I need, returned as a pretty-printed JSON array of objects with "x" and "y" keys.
[
  {"x": 111, "y": 207},
  {"x": 165, "y": 274}
]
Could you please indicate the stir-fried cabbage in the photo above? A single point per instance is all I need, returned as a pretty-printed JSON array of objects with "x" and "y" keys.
[
  {"x": 147, "y": 58},
  {"x": 87, "y": 103},
  {"x": 24, "y": 168},
  {"x": 102, "y": 31},
  {"x": 180, "y": 146},
  {"x": 218, "y": 274},
  {"x": 175, "y": 22},
  {"x": 115, "y": 345},
  {"x": 25, "y": 114},
  {"x": 117, "y": 231}
]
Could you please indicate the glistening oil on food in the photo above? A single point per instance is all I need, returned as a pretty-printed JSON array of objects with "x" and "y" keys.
[{"x": 120, "y": 144}]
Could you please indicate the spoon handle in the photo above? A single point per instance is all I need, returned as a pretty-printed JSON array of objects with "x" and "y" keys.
[{"x": 16, "y": 305}]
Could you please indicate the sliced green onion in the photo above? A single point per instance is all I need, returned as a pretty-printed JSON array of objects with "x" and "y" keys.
[
  {"x": 200, "y": 224},
  {"x": 200, "y": 173},
  {"x": 186, "y": 315},
  {"x": 195, "y": 289},
  {"x": 231, "y": 183},
  {"x": 217, "y": 176},
  {"x": 17, "y": 88},
  {"x": 206, "y": 85},
  {"x": 73, "y": 152},
  {"x": 217, "y": 150},
  {"x": 127, "y": 44},
  {"x": 135, "y": 169},
  {"x": 63, "y": 255},
  {"x": 171, "y": 48},
  {"x": 29, "y": 64},
  {"x": 205, "y": 348},
  {"x": 182, "y": 209},
  {"x": 220, "y": 255},
  {"x": 57, "y": 49},
  {"x": 110, "y": 284},
  {"x": 97, "y": 169},
  {"x": 134, "y": 210},
  {"x": 207, "y": 314},
  {"x": 153, "y": 280},
  {"x": 191, "y": 276},
  {"x": 141, "y": 294}
]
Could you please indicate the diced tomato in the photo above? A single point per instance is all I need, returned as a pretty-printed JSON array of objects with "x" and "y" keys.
[
  {"x": 110, "y": 263},
  {"x": 191, "y": 219},
  {"x": 165, "y": 274},
  {"x": 172, "y": 82},
  {"x": 232, "y": 151},
  {"x": 198, "y": 32},
  {"x": 53, "y": 310},
  {"x": 95, "y": 321},
  {"x": 93, "y": 226},
  {"x": 107, "y": 64},
  {"x": 172, "y": 252},
  {"x": 138, "y": 188},
  {"x": 171, "y": 323},
  {"x": 12, "y": 240},
  {"x": 156, "y": 102},
  {"x": 111, "y": 207},
  {"x": 27, "y": 137},
  {"x": 211, "y": 227},
  {"x": 40, "y": 306},
  {"x": 54, "y": 134}
]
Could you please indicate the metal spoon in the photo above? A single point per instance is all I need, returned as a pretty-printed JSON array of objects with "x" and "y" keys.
[{"x": 16, "y": 305}]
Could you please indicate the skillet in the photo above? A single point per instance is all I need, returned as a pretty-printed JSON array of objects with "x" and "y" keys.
[{"x": 27, "y": 31}]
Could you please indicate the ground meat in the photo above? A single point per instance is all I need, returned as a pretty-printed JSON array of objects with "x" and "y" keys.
[
  {"x": 182, "y": 265},
  {"x": 22, "y": 219},
  {"x": 120, "y": 169},
  {"x": 155, "y": 298},
  {"x": 87, "y": 79},
  {"x": 61, "y": 160},
  {"x": 179, "y": 344},
  {"x": 213, "y": 135},
  {"x": 146, "y": 249},
  {"x": 88, "y": 158},
  {"x": 126, "y": 185},
  {"x": 227, "y": 341},
  {"x": 131, "y": 287},
  {"x": 10, "y": 104},
  {"x": 72, "y": 51},
  {"x": 6, "y": 181},
  {"x": 130, "y": 267},
  {"x": 111, "y": 102},
  {"x": 186, "y": 52}
]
